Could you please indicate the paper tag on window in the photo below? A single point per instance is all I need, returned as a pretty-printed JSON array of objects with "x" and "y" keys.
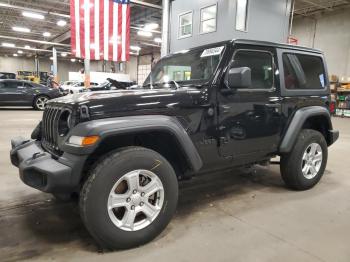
[
  {"x": 212, "y": 51},
  {"x": 321, "y": 76}
]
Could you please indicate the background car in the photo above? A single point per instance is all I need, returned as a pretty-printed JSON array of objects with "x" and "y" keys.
[
  {"x": 5, "y": 75},
  {"x": 112, "y": 84},
  {"x": 25, "y": 93},
  {"x": 72, "y": 87}
]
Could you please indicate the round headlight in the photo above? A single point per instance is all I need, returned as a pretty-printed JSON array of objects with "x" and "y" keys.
[{"x": 64, "y": 122}]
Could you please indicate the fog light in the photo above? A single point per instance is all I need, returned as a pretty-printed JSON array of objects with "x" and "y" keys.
[{"x": 83, "y": 140}]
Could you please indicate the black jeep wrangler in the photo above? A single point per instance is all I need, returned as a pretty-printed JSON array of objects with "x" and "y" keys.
[{"x": 229, "y": 104}]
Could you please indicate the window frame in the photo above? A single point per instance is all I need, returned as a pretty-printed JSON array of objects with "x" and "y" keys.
[
  {"x": 274, "y": 67},
  {"x": 179, "y": 36},
  {"x": 216, "y": 18},
  {"x": 301, "y": 92},
  {"x": 246, "y": 17}
]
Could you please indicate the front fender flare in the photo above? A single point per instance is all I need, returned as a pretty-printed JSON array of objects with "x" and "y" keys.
[
  {"x": 134, "y": 124},
  {"x": 298, "y": 120}
]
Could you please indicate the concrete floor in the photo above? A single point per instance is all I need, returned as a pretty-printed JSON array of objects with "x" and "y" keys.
[{"x": 220, "y": 217}]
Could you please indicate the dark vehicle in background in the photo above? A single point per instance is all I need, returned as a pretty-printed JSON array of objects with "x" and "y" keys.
[
  {"x": 25, "y": 93},
  {"x": 4, "y": 75},
  {"x": 230, "y": 104}
]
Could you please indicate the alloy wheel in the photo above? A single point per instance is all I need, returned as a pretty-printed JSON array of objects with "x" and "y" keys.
[
  {"x": 41, "y": 102},
  {"x": 135, "y": 200},
  {"x": 311, "y": 161}
]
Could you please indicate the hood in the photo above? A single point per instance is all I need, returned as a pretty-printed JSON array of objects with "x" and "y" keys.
[{"x": 135, "y": 102}]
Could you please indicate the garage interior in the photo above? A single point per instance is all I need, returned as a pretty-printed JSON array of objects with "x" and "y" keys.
[{"x": 237, "y": 215}]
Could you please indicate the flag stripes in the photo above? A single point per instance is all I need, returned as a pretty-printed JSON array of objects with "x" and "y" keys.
[{"x": 100, "y": 29}]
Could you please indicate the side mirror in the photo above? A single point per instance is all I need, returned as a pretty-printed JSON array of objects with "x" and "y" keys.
[{"x": 240, "y": 77}]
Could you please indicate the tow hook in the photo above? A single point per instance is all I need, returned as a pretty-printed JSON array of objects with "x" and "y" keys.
[{"x": 37, "y": 155}]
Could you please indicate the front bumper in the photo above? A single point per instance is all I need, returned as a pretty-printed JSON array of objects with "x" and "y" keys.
[{"x": 38, "y": 169}]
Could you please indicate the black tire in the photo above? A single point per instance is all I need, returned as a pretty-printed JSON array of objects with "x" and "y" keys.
[
  {"x": 291, "y": 163},
  {"x": 35, "y": 102},
  {"x": 95, "y": 193}
]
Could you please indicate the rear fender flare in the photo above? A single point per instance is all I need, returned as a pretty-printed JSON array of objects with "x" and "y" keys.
[{"x": 298, "y": 120}]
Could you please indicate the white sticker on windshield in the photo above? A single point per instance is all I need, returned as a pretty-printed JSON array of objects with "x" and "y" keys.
[{"x": 212, "y": 51}]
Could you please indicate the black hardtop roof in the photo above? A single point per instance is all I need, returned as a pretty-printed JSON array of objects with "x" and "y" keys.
[
  {"x": 258, "y": 43},
  {"x": 276, "y": 45}
]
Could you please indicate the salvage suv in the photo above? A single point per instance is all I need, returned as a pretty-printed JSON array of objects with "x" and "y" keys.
[{"x": 230, "y": 104}]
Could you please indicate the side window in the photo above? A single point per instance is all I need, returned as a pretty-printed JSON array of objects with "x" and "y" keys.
[
  {"x": 208, "y": 19},
  {"x": 185, "y": 24},
  {"x": 2, "y": 85},
  {"x": 303, "y": 71},
  {"x": 27, "y": 85},
  {"x": 13, "y": 84},
  {"x": 260, "y": 64}
]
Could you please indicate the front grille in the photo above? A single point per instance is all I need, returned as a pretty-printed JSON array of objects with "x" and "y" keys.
[{"x": 49, "y": 128}]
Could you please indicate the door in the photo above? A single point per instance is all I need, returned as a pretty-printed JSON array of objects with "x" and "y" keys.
[
  {"x": 249, "y": 119},
  {"x": 14, "y": 93}
]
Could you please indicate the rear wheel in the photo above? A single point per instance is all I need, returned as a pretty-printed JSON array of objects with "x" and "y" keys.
[
  {"x": 40, "y": 102},
  {"x": 304, "y": 166},
  {"x": 129, "y": 198}
]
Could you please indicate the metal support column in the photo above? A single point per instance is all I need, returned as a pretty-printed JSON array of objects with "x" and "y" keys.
[
  {"x": 36, "y": 65},
  {"x": 87, "y": 72},
  {"x": 165, "y": 28},
  {"x": 54, "y": 69}
]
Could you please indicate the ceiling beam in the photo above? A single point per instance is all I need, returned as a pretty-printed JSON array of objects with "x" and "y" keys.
[
  {"x": 33, "y": 41},
  {"x": 33, "y": 10},
  {"x": 146, "y": 4},
  {"x": 317, "y": 5},
  {"x": 33, "y": 49}
]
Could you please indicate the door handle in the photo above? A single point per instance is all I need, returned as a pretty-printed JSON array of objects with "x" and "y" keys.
[{"x": 273, "y": 105}]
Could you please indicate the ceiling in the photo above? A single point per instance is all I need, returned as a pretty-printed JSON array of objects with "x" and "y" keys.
[
  {"x": 312, "y": 7},
  {"x": 55, "y": 10}
]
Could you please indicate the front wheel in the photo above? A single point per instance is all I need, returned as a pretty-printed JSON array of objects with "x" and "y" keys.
[
  {"x": 304, "y": 166},
  {"x": 40, "y": 102},
  {"x": 129, "y": 198}
]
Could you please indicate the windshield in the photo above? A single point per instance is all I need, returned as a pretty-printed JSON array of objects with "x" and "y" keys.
[{"x": 186, "y": 67}]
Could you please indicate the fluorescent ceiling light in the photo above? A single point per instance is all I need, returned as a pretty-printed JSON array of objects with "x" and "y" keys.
[
  {"x": 64, "y": 54},
  {"x": 8, "y": 44},
  {"x": 144, "y": 33},
  {"x": 46, "y": 34},
  {"x": 15, "y": 55},
  {"x": 73, "y": 60},
  {"x": 135, "y": 48},
  {"x": 61, "y": 23},
  {"x": 21, "y": 29},
  {"x": 157, "y": 40},
  {"x": 33, "y": 15},
  {"x": 27, "y": 46},
  {"x": 151, "y": 26},
  {"x": 51, "y": 58},
  {"x": 20, "y": 51}
]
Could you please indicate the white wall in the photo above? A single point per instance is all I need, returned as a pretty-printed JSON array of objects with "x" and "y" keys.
[
  {"x": 329, "y": 32},
  {"x": 14, "y": 64}
]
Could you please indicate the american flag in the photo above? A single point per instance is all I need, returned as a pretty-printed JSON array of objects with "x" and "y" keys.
[{"x": 100, "y": 29}]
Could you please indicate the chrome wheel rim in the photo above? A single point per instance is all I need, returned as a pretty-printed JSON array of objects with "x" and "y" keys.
[
  {"x": 41, "y": 102},
  {"x": 312, "y": 161},
  {"x": 135, "y": 200}
]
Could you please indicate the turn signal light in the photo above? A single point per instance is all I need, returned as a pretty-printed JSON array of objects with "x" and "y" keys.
[
  {"x": 83, "y": 140},
  {"x": 89, "y": 140}
]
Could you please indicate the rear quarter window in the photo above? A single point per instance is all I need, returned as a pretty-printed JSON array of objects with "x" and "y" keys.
[{"x": 303, "y": 71}]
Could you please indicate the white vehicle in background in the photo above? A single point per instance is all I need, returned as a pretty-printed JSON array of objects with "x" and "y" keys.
[{"x": 73, "y": 87}]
